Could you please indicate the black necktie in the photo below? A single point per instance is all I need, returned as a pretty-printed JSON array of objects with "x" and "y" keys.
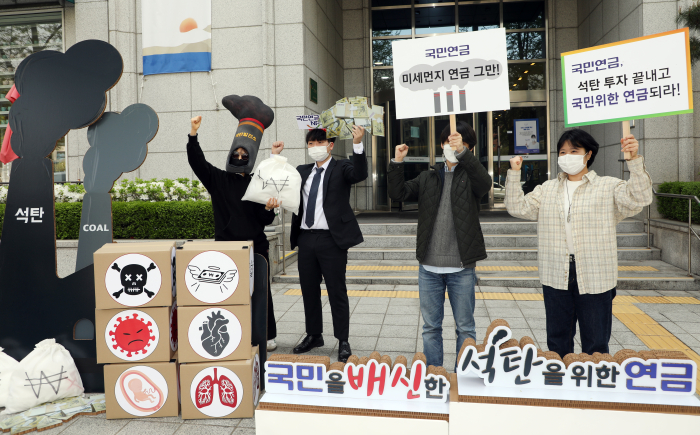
[{"x": 311, "y": 205}]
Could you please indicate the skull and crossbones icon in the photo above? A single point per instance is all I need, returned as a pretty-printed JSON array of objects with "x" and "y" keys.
[{"x": 133, "y": 278}]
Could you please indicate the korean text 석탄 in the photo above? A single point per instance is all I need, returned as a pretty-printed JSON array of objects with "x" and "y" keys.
[
  {"x": 34, "y": 213},
  {"x": 522, "y": 368},
  {"x": 373, "y": 380},
  {"x": 453, "y": 74},
  {"x": 628, "y": 96}
]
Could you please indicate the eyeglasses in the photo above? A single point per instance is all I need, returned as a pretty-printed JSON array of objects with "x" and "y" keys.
[{"x": 240, "y": 156}]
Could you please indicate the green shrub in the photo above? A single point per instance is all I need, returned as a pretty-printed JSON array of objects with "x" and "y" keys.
[
  {"x": 676, "y": 208},
  {"x": 142, "y": 220}
]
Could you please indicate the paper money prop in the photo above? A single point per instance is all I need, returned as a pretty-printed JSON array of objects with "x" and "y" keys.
[
  {"x": 339, "y": 119},
  {"x": 53, "y": 414}
]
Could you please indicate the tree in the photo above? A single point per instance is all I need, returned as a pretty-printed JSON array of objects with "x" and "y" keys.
[{"x": 691, "y": 18}]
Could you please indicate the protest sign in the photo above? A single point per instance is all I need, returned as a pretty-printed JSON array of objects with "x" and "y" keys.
[
  {"x": 307, "y": 122},
  {"x": 638, "y": 78},
  {"x": 438, "y": 75}
]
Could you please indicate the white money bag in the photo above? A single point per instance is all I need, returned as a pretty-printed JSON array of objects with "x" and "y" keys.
[
  {"x": 275, "y": 178},
  {"x": 48, "y": 373},
  {"x": 7, "y": 366}
]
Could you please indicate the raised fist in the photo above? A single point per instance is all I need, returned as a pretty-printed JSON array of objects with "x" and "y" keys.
[
  {"x": 196, "y": 123},
  {"x": 516, "y": 163},
  {"x": 401, "y": 151},
  {"x": 277, "y": 147}
]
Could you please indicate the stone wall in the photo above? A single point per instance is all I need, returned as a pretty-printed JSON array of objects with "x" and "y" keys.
[{"x": 267, "y": 48}]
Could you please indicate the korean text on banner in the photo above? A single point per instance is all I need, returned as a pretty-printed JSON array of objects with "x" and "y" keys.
[
  {"x": 437, "y": 75},
  {"x": 176, "y": 36},
  {"x": 308, "y": 122},
  {"x": 638, "y": 78}
]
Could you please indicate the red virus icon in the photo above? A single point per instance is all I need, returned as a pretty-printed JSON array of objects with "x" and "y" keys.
[{"x": 132, "y": 335}]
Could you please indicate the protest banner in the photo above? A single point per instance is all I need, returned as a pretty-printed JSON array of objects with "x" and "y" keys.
[
  {"x": 424, "y": 66},
  {"x": 642, "y": 77}
]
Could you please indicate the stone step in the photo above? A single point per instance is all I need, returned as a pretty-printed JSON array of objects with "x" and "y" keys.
[
  {"x": 513, "y": 227},
  {"x": 638, "y": 275},
  {"x": 491, "y": 241},
  {"x": 496, "y": 254}
]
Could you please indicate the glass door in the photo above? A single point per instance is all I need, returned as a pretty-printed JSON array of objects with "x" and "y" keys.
[
  {"x": 415, "y": 133},
  {"x": 520, "y": 131}
]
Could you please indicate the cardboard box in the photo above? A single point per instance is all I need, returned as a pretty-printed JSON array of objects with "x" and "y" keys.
[
  {"x": 227, "y": 389},
  {"x": 142, "y": 390},
  {"x": 135, "y": 275},
  {"x": 215, "y": 273},
  {"x": 135, "y": 334},
  {"x": 221, "y": 333}
]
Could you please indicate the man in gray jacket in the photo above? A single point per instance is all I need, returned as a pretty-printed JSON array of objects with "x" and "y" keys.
[{"x": 449, "y": 240}]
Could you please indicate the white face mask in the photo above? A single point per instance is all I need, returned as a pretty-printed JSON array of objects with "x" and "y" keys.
[
  {"x": 318, "y": 153},
  {"x": 572, "y": 164},
  {"x": 449, "y": 154}
]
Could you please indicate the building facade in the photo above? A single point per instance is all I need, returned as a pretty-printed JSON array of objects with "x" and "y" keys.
[{"x": 274, "y": 49}]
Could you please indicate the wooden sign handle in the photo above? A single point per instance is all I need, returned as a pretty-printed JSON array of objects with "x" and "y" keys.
[
  {"x": 625, "y": 133},
  {"x": 453, "y": 124}
]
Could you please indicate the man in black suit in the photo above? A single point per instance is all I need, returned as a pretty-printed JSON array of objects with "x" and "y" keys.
[{"x": 324, "y": 229}]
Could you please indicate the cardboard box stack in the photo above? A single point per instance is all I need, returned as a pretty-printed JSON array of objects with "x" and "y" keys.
[
  {"x": 219, "y": 370},
  {"x": 136, "y": 328}
]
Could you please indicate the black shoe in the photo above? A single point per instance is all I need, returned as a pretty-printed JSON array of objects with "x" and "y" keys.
[
  {"x": 344, "y": 351},
  {"x": 308, "y": 343}
]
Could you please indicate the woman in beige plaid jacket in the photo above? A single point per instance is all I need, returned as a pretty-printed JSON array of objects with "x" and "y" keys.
[{"x": 577, "y": 215}]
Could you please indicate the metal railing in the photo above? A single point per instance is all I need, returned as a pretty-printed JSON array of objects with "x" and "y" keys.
[{"x": 691, "y": 231}]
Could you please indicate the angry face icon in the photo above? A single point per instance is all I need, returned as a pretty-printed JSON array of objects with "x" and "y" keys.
[{"x": 133, "y": 334}]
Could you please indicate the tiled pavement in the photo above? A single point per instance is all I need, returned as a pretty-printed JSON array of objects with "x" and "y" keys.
[{"x": 392, "y": 326}]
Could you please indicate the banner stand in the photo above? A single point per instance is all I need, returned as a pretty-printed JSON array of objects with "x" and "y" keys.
[{"x": 625, "y": 133}]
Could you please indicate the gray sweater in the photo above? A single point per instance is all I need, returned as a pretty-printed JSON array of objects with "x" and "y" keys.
[{"x": 442, "y": 249}]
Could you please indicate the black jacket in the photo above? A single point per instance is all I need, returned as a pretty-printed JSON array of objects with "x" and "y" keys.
[
  {"x": 234, "y": 219},
  {"x": 471, "y": 181},
  {"x": 340, "y": 176}
]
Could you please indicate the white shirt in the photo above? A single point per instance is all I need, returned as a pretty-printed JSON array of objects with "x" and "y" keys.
[
  {"x": 320, "y": 222},
  {"x": 567, "y": 198}
]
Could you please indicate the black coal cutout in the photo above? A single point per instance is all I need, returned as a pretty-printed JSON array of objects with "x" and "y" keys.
[
  {"x": 118, "y": 144},
  {"x": 59, "y": 92}
]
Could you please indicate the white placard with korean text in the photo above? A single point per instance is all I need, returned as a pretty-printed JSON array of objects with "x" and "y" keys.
[
  {"x": 638, "y": 78},
  {"x": 442, "y": 75},
  {"x": 307, "y": 122}
]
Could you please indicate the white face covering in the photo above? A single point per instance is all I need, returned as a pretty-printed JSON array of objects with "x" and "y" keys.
[
  {"x": 449, "y": 154},
  {"x": 318, "y": 153},
  {"x": 572, "y": 164}
]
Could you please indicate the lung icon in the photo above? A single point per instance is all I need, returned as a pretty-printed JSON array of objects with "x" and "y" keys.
[{"x": 216, "y": 391}]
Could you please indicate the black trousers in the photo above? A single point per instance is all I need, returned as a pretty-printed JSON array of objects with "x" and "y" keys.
[
  {"x": 320, "y": 258},
  {"x": 592, "y": 311},
  {"x": 271, "y": 324}
]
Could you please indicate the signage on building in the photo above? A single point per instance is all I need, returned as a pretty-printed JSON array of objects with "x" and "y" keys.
[
  {"x": 442, "y": 75},
  {"x": 313, "y": 91},
  {"x": 638, "y": 78},
  {"x": 307, "y": 122},
  {"x": 527, "y": 135},
  {"x": 176, "y": 36}
]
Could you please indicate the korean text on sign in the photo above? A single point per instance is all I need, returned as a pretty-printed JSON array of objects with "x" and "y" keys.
[{"x": 639, "y": 78}]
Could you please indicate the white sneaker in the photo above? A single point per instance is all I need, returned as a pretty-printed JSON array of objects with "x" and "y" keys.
[{"x": 271, "y": 345}]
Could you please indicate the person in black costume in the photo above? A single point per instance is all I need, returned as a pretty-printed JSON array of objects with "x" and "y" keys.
[{"x": 234, "y": 219}]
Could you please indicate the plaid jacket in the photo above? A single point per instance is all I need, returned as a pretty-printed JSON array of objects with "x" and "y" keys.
[{"x": 598, "y": 205}]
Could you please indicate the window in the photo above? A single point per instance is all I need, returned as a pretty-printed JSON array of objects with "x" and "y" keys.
[
  {"x": 439, "y": 19},
  {"x": 21, "y": 36}
]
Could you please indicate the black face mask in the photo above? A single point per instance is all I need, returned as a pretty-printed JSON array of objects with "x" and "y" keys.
[{"x": 238, "y": 162}]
